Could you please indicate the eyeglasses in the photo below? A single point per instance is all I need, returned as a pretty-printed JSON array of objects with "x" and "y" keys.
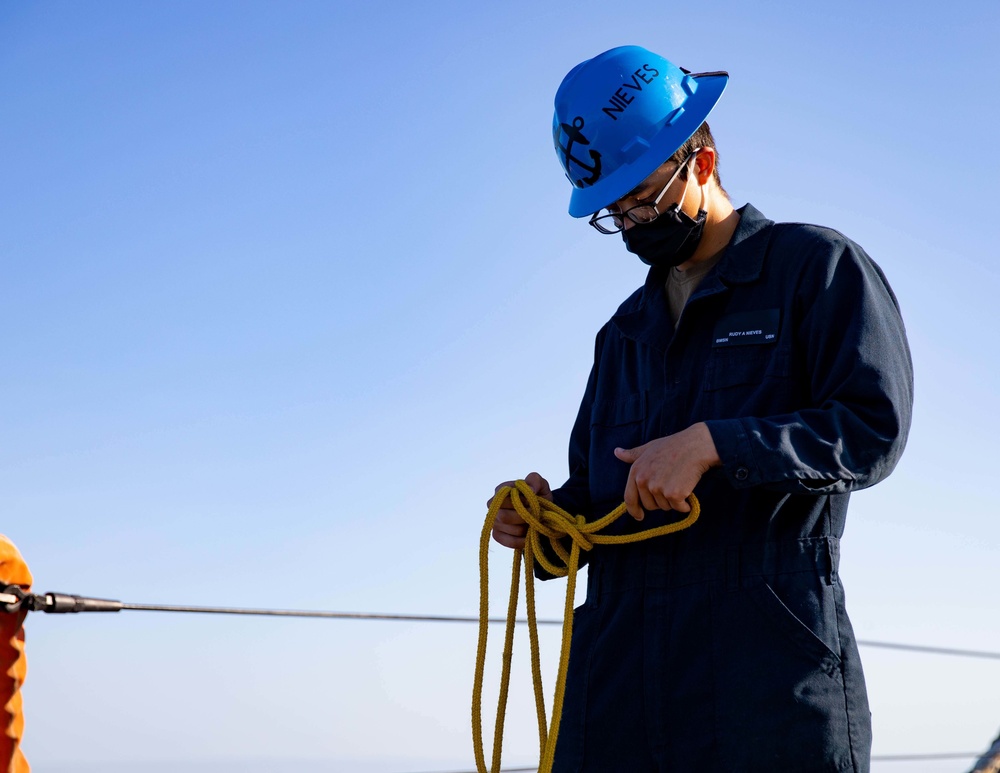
[{"x": 607, "y": 221}]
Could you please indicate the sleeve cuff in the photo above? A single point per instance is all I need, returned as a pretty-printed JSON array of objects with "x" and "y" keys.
[{"x": 733, "y": 446}]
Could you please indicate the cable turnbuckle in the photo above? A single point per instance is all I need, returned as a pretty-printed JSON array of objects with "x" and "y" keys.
[{"x": 14, "y": 599}]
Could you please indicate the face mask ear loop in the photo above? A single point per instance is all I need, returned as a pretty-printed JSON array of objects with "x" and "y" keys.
[
  {"x": 680, "y": 204},
  {"x": 704, "y": 197}
]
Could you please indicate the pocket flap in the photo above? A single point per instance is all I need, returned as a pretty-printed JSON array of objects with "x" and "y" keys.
[{"x": 612, "y": 413}]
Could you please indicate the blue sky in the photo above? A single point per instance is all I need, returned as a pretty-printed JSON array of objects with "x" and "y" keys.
[{"x": 287, "y": 288}]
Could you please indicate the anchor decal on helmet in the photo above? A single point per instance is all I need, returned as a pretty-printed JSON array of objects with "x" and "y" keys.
[{"x": 573, "y": 136}]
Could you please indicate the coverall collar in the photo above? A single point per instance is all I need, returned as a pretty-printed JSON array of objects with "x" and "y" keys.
[
  {"x": 744, "y": 257},
  {"x": 741, "y": 263}
]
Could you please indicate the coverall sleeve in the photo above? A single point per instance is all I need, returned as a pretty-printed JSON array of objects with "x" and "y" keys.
[
  {"x": 851, "y": 349},
  {"x": 574, "y": 495}
]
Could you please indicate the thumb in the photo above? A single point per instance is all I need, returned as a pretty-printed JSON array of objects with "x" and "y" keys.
[
  {"x": 538, "y": 484},
  {"x": 629, "y": 454}
]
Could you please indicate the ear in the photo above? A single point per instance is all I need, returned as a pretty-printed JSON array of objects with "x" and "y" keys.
[{"x": 704, "y": 165}]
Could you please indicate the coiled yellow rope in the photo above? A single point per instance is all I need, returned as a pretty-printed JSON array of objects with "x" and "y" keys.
[{"x": 546, "y": 520}]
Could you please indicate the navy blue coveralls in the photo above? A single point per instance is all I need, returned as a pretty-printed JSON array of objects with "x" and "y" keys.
[{"x": 726, "y": 647}]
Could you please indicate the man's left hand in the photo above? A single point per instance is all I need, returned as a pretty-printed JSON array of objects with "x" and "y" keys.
[{"x": 665, "y": 471}]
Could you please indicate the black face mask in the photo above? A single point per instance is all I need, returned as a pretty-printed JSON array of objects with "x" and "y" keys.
[{"x": 669, "y": 240}]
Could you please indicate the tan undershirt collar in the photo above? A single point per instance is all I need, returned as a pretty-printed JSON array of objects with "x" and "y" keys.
[{"x": 681, "y": 285}]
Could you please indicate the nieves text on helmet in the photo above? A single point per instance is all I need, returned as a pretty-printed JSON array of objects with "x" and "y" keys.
[{"x": 622, "y": 98}]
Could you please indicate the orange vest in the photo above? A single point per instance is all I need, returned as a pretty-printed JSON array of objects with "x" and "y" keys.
[{"x": 13, "y": 663}]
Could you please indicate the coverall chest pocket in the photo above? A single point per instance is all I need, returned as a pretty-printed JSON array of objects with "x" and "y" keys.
[
  {"x": 744, "y": 365},
  {"x": 614, "y": 424},
  {"x": 743, "y": 379}
]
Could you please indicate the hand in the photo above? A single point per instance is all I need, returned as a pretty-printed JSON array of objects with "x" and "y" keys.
[
  {"x": 665, "y": 471},
  {"x": 509, "y": 529}
]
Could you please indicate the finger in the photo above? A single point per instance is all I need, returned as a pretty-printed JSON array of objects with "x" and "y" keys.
[
  {"x": 670, "y": 498},
  {"x": 507, "y": 540},
  {"x": 506, "y": 484},
  {"x": 632, "y": 500},
  {"x": 514, "y": 529},
  {"x": 662, "y": 500},
  {"x": 680, "y": 505},
  {"x": 629, "y": 455},
  {"x": 538, "y": 484},
  {"x": 647, "y": 499},
  {"x": 506, "y": 515}
]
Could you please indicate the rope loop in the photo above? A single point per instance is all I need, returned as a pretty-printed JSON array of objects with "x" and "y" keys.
[{"x": 548, "y": 521}]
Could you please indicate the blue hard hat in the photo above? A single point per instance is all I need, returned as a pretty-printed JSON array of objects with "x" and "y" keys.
[{"x": 620, "y": 115}]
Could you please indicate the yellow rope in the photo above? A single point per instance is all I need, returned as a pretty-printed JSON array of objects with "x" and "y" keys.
[{"x": 545, "y": 520}]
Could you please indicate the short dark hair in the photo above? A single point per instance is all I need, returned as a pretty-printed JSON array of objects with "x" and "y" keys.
[{"x": 700, "y": 139}]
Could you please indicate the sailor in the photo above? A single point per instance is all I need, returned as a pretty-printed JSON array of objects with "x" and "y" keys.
[{"x": 762, "y": 366}]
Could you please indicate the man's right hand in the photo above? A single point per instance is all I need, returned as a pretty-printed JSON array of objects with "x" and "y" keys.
[{"x": 509, "y": 529}]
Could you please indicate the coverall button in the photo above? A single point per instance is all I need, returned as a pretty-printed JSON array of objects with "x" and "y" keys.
[{"x": 742, "y": 473}]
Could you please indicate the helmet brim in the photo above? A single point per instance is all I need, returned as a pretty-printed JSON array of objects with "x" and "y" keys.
[{"x": 586, "y": 201}]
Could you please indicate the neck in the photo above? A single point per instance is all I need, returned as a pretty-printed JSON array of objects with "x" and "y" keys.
[{"x": 720, "y": 225}]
